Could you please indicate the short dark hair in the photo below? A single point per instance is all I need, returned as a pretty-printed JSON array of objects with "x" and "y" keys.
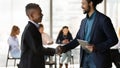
[
  {"x": 95, "y": 2},
  {"x": 61, "y": 31},
  {"x": 41, "y": 25},
  {"x": 65, "y": 27},
  {"x": 31, "y": 6}
]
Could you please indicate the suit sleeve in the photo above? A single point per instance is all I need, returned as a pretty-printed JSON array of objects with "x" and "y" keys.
[
  {"x": 111, "y": 36},
  {"x": 30, "y": 42},
  {"x": 74, "y": 43},
  {"x": 49, "y": 51}
]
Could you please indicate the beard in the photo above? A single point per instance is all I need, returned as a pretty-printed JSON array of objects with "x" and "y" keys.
[{"x": 87, "y": 11}]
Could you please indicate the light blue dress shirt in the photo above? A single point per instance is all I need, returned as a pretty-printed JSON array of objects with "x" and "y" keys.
[
  {"x": 14, "y": 44},
  {"x": 88, "y": 26}
]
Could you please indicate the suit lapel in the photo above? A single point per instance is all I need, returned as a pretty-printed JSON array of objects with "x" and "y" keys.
[
  {"x": 94, "y": 26},
  {"x": 83, "y": 34}
]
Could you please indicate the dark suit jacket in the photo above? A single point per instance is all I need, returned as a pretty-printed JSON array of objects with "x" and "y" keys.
[
  {"x": 32, "y": 49},
  {"x": 103, "y": 36}
]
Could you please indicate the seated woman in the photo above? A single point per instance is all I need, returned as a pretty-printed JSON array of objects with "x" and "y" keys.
[
  {"x": 64, "y": 37},
  {"x": 14, "y": 43},
  {"x": 46, "y": 39}
]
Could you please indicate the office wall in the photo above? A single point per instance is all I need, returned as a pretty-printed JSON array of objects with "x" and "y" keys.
[
  {"x": 67, "y": 12},
  {"x": 113, "y": 12},
  {"x": 12, "y": 12}
]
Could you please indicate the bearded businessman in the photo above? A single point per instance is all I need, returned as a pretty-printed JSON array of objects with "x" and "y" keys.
[{"x": 97, "y": 29}]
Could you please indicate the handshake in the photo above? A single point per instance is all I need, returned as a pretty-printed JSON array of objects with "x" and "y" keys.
[{"x": 59, "y": 50}]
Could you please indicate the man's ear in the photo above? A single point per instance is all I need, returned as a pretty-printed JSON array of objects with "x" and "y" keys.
[
  {"x": 31, "y": 15},
  {"x": 91, "y": 3}
]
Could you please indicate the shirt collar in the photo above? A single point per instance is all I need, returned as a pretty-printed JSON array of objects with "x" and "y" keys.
[
  {"x": 94, "y": 13},
  {"x": 37, "y": 25}
]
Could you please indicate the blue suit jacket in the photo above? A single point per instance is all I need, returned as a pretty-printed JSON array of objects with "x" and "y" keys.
[{"x": 103, "y": 36}]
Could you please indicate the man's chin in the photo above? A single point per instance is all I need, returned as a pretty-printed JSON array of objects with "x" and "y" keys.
[
  {"x": 40, "y": 20},
  {"x": 84, "y": 12}
]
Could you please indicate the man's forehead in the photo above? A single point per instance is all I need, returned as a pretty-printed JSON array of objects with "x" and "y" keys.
[
  {"x": 36, "y": 9},
  {"x": 84, "y": 0}
]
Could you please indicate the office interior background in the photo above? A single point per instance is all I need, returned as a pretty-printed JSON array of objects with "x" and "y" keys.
[{"x": 57, "y": 13}]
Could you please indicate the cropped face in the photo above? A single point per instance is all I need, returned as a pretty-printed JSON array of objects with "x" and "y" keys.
[
  {"x": 41, "y": 29},
  {"x": 17, "y": 32},
  {"x": 65, "y": 31},
  {"x": 37, "y": 15},
  {"x": 85, "y": 6}
]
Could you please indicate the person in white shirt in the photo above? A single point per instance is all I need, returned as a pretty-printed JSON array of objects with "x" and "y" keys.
[
  {"x": 115, "y": 53},
  {"x": 14, "y": 43},
  {"x": 46, "y": 39}
]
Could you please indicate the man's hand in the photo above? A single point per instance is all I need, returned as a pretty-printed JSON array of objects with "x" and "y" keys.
[
  {"x": 59, "y": 50},
  {"x": 90, "y": 47}
]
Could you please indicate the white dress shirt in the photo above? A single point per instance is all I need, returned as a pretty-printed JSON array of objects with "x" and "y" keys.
[
  {"x": 37, "y": 25},
  {"x": 46, "y": 39},
  {"x": 14, "y": 44}
]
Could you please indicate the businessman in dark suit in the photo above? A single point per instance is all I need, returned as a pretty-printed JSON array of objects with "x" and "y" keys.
[
  {"x": 31, "y": 42},
  {"x": 99, "y": 32}
]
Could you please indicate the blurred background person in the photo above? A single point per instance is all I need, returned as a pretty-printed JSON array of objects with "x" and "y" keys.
[
  {"x": 46, "y": 39},
  {"x": 64, "y": 37},
  {"x": 14, "y": 43}
]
